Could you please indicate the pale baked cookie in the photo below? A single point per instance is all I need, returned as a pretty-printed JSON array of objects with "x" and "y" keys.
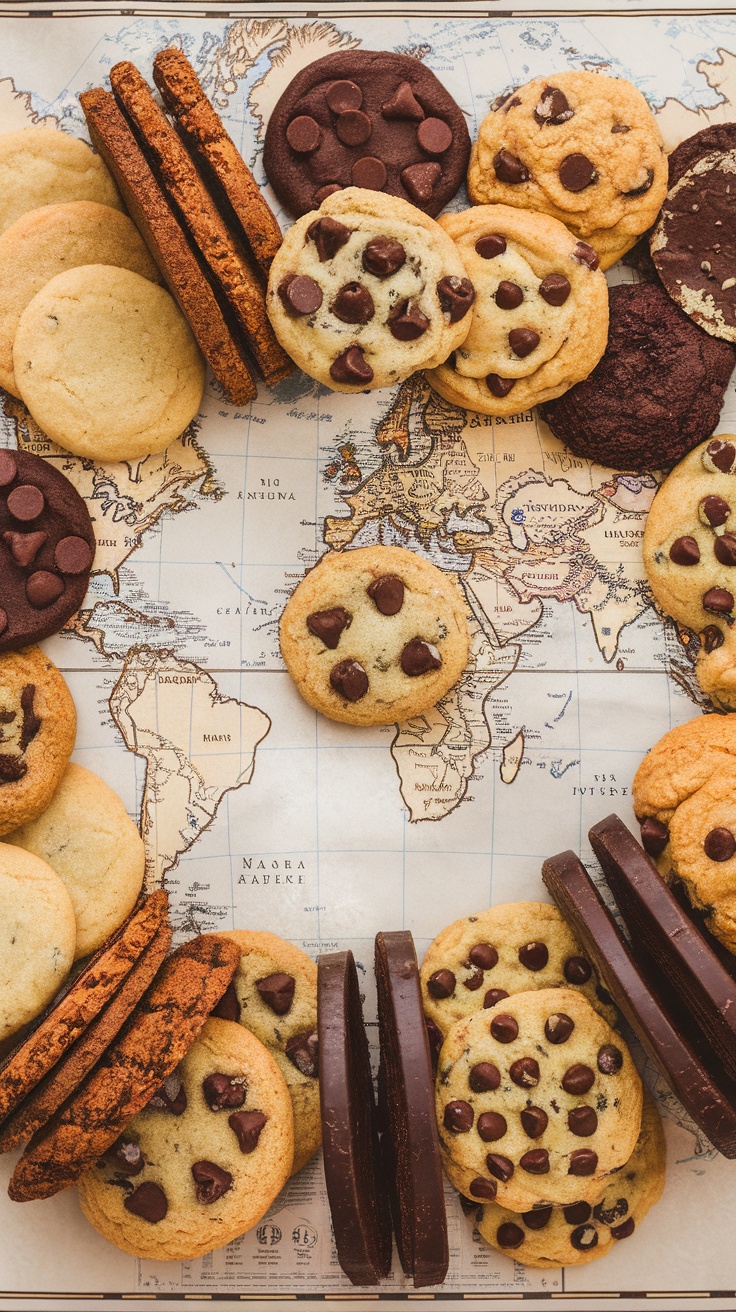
[
  {"x": 537, "y": 1101},
  {"x": 374, "y": 635},
  {"x": 86, "y": 835},
  {"x": 510, "y": 948},
  {"x": 42, "y": 166},
  {"x": 37, "y": 937},
  {"x": 106, "y": 363},
  {"x": 581, "y": 147},
  {"x": 581, "y": 1232},
  {"x": 539, "y": 322},
  {"x": 184, "y": 1179},
  {"x": 274, "y": 994},
  {"x": 366, "y": 290},
  {"x": 38, "y": 725},
  {"x": 50, "y": 240}
]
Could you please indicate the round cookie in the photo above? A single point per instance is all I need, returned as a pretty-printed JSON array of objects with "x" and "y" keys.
[
  {"x": 274, "y": 994},
  {"x": 106, "y": 363},
  {"x": 540, "y": 318},
  {"x": 581, "y": 147},
  {"x": 181, "y": 1181},
  {"x": 717, "y": 136},
  {"x": 657, "y": 391},
  {"x": 581, "y": 1232},
  {"x": 86, "y": 836},
  {"x": 537, "y": 1101},
  {"x": 510, "y": 948},
  {"x": 366, "y": 291},
  {"x": 37, "y": 937},
  {"x": 43, "y": 166},
  {"x": 38, "y": 725},
  {"x": 47, "y": 549},
  {"x": 50, "y": 240},
  {"x": 374, "y": 635},
  {"x": 366, "y": 118}
]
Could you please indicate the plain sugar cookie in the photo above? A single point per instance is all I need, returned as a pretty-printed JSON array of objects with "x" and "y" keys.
[
  {"x": 42, "y": 166},
  {"x": 37, "y": 937}
]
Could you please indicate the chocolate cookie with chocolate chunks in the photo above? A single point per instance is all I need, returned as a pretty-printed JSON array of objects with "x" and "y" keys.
[
  {"x": 38, "y": 725},
  {"x": 366, "y": 118}
]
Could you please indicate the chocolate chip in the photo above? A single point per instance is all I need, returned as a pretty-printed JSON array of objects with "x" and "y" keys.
[
  {"x": 577, "y": 1213},
  {"x": 576, "y": 172},
  {"x": 277, "y": 991},
  {"x": 484, "y": 1077},
  {"x": 585, "y": 254},
  {"x": 458, "y": 1117},
  {"x": 490, "y": 245},
  {"x": 719, "y": 845},
  {"x": 535, "y": 1162},
  {"x": 303, "y": 1052},
  {"x": 343, "y": 95},
  {"x": 620, "y": 127},
  {"x": 534, "y": 955},
  {"x": 353, "y": 127},
  {"x": 147, "y": 1201},
  {"x": 525, "y": 1072},
  {"x": 211, "y": 1182},
  {"x": 31, "y": 721},
  {"x": 73, "y": 555},
  {"x": 304, "y": 134},
  {"x": 434, "y": 136},
  {"x": 654, "y": 836},
  {"x": 559, "y": 1027},
  {"x": 523, "y": 341},
  {"x": 406, "y": 322},
  {"x": 508, "y": 295},
  {"x": 724, "y": 549},
  {"x": 499, "y": 386},
  {"x": 349, "y": 680},
  {"x": 483, "y": 955},
  {"x": 500, "y": 1167},
  {"x": 578, "y": 1079},
  {"x": 300, "y": 294},
  {"x": 369, "y": 172},
  {"x": 353, "y": 304},
  {"x": 329, "y": 236},
  {"x": 509, "y": 1235},
  {"x": 711, "y": 638},
  {"x": 12, "y": 768},
  {"x": 223, "y": 1091},
  {"x": 718, "y": 600},
  {"x": 228, "y": 1008},
  {"x": 584, "y": 1238},
  {"x": 509, "y": 168},
  {"x": 441, "y": 984},
  {"x": 420, "y": 180},
  {"x": 721, "y": 454},
  {"x": 247, "y": 1128},
  {"x": 329, "y": 189},
  {"x": 43, "y": 588},
  {"x": 387, "y": 594},
  {"x": 419, "y": 657},
  {"x": 610, "y": 1059},
  {"x": 491, "y": 1126},
  {"x": 351, "y": 367},
  {"x": 474, "y": 981},
  {"x": 504, "y": 1028},
  {"x": 171, "y": 1097},
  {"x": 623, "y": 1231},
  {"x": 383, "y": 256},
  {"x": 608, "y": 1215},
  {"x": 456, "y": 296},
  {"x": 126, "y": 1156},
  {"x": 26, "y": 502},
  {"x": 493, "y": 996},
  {"x": 329, "y": 625},
  {"x": 481, "y": 1188},
  {"x": 685, "y": 551},
  {"x": 582, "y": 1121},
  {"x": 714, "y": 510},
  {"x": 583, "y": 1161},
  {"x": 644, "y": 186},
  {"x": 577, "y": 970},
  {"x": 534, "y": 1121},
  {"x": 8, "y": 468},
  {"x": 403, "y": 104},
  {"x": 24, "y": 547},
  {"x": 554, "y": 289},
  {"x": 553, "y": 108}
]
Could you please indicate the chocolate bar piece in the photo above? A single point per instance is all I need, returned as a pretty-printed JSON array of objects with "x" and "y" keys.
[
  {"x": 710, "y": 1099},
  {"x": 409, "y": 1142},
  {"x": 655, "y": 921},
  {"x": 359, "y": 1203}
]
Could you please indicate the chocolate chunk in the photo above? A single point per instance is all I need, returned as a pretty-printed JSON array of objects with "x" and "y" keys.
[
  {"x": 329, "y": 625},
  {"x": 343, "y": 95},
  {"x": 353, "y": 304},
  {"x": 8, "y": 468},
  {"x": 610, "y": 1059},
  {"x": 406, "y": 322},
  {"x": 559, "y": 1027},
  {"x": 31, "y": 721},
  {"x": 12, "y": 768},
  {"x": 223, "y": 1091},
  {"x": 535, "y": 1162},
  {"x": 277, "y": 991},
  {"x": 126, "y": 1156},
  {"x": 583, "y": 1161},
  {"x": 493, "y": 996},
  {"x": 353, "y": 128},
  {"x": 383, "y": 256},
  {"x": 303, "y": 1052},
  {"x": 483, "y": 955},
  {"x": 654, "y": 835},
  {"x": 504, "y": 1028},
  {"x": 643, "y": 188},
  {"x": 554, "y": 289},
  {"x": 509, "y": 1235},
  {"x": 499, "y": 386},
  {"x": 349, "y": 680},
  {"x": 474, "y": 981},
  {"x": 491, "y": 1126},
  {"x": 525, "y": 1072},
  {"x": 609, "y": 1215},
  {"x": 508, "y": 295},
  {"x": 485, "y": 1189},
  {"x": 500, "y": 1167},
  {"x": 724, "y": 549},
  {"x": 578, "y": 1213},
  {"x": 577, "y": 970},
  {"x": 72, "y": 555},
  {"x": 387, "y": 594},
  {"x": 711, "y": 638},
  {"x": 43, "y": 588},
  {"x": 719, "y": 844},
  {"x": 584, "y": 1238},
  {"x": 351, "y": 367},
  {"x": 419, "y": 657},
  {"x": 576, "y": 172},
  {"x": 534, "y": 955},
  {"x": 403, "y": 104},
  {"x": 685, "y": 551},
  {"x": 509, "y": 168},
  {"x": 538, "y": 1218},
  {"x": 585, "y": 254},
  {"x": 718, "y": 600},
  {"x": 300, "y": 294},
  {"x": 721, "y": 454},
  {"x": 456, "y": 296},
  {"x": 228, "y": 1008},
  {"x": 434, "y": 136},
  {"x": 147, "y": 1201},
  {"x": 484, "y": 1077},
  {"x": 329, "y": 189},
  {"x": 329, "y": 236},
  {"x": 420, "y": 180},
  {"x": 441, "y": 984},
  {"x": 523, "y": 341},
  {"x": 304, "y": 134},
  {"x": 24, "y": 547},
  {"x": 490, "y": 245},
  {"x": 211, "y": 1182},
  {"x": 620, "y": 127},
  {"x": 171, "y": 1097},
  {"x": 534, "y": 1121},
  {"x": 624, "y": 1230},
  {"x": 714, "y": 511},
  {"x": 578, "y": 1079},
  {"x": 582, "y": 1121},
  {"x": 458, "y": 1117},
  {"x": 552, "y": 108}
]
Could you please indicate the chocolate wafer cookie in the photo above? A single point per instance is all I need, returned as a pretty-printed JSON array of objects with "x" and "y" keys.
[
  {"x": 359, "y": 1203},
  {"x": 409, "y": 1142}
]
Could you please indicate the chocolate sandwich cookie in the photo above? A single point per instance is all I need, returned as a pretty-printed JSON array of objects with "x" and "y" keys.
[
  {"x": 409, "y": 1143},
  {"x": 47, "y": 546},
  {"x": 706, "y": 1093},
  {"x": 359, "y": 1202},
  {"x": 366, "y": 118}
]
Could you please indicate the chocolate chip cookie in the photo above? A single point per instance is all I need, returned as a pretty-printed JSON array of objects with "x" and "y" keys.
[
  {"x": 374, "y": 635},
  {"x": 511, "y": 948},
  {"x": 204, "y": 1161},
  {"x": 581, "y": 147},
  {"x": 540, "y": 318},
  {"x": 537, "y": 1101},
  {"x": 366, "y": 291},
  {"x": 366, "y": 118},
  {"x": 38, "y": 725}
]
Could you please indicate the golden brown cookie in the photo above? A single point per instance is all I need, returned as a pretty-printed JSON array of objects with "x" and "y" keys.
[
  {"x": 38, "y": 725},
  {"x": 42, "y": 166},
  {"x": 37, "y": 937}
]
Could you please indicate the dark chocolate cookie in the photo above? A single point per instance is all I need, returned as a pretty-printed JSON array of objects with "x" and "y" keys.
[
  {"x": 717, "y": 136},
  {"x": 656, "y": 393},
  {"x": 366, "y": 118},
  {"x": 47, "y": 546}
]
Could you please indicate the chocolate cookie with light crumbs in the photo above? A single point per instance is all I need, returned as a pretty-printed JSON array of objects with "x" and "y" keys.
[
  {"x": 510, "y": 948},
  {"x": 366, "y": 118},
  {"x": 537, "y": 1101},
  {"x": 374, "y": 635},
  {"x": 188, "y": 1175},
  {"x": 656, "y": 392},
  {"x": 38, "y": 725}
]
